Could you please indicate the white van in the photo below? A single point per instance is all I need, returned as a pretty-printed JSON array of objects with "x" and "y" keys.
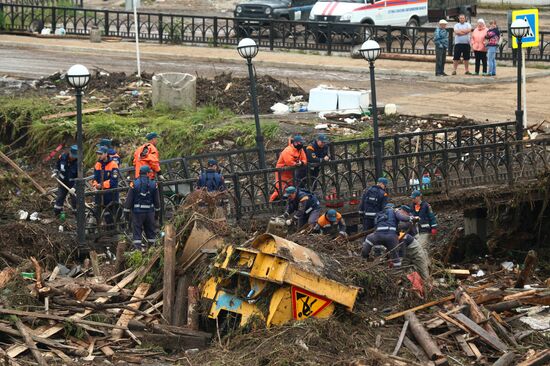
[{"x": 410, "y": 13}]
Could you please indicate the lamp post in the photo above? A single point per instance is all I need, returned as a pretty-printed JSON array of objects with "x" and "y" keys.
[
  {"x": 248, "y": 49},
  {"x": 519, "y": 29},
  {"x": 370, "y": 50},
  {"x": 78, "y": 77}
]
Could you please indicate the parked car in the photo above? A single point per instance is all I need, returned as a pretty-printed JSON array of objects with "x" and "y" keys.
[
  {"x": 451, "y": 9},
  {"x": 251, "y": 14}
]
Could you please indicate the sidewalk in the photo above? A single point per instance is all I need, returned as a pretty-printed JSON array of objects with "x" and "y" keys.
[{"x": 295, "y": 60}]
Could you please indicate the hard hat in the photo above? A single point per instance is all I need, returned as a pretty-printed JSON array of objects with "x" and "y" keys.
[
  {"x": 405, "y": 208},
  {"x": 416, "y": 193},
  {"x": 323, "y": 138},
  {"x": 383, "y": 180},
  {"x": 102, "y": 150},
  {"x": 389, "y": 205},
  {"x": 151, "y": 135},
  {"x": 104, "y": 142},
  {"x": 111, "y": 151},
  {"x": 298, "y": 139},
  {"x": 331, "y": 215},
  {"x": 144, "y": 169},
  {"x": 290, "y": 190},
  {"x": 212, "y": 162},
  {"x": 73, "y": 152}
]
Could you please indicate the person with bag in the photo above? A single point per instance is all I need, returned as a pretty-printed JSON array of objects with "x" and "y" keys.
[{"x": 493, "y": 37}]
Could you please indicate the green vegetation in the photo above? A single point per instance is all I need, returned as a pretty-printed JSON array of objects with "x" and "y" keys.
[{"x": 183, "y": 133}]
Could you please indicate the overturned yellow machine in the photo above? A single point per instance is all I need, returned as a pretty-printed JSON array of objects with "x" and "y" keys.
[{"x": 274, "y": 280}]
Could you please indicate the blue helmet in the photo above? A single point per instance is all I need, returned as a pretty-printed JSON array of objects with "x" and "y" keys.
[
  {"x": 298, "y": 139},
  {"x": 290, "y": 190},
  {"x": 323, "y": 138},
  {"x": 73, "y": 152},
  {"x": 104, "y": 142},
  {"x": 383, "y": 180},
  {"x": 144, "y": 170},
  {"x": 416, "y": 193},
  {"x": 102, "y": 150},
  {"x": 151, "y": 135},
  {"x": 331, "y": 215},
  {"x": 212, "y": 162},
  {"x": 389, "y": 205}
]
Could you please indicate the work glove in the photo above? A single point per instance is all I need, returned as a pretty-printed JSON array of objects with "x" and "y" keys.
[
  {"x": 160, "y": 177},
  {"x": 434, "y": 231},
  {"x": 72, "y": 191},
  {"x": 55, "y": 173},
  {"x": 288, "y": 222},
  {"x": 416, "y": 219},
  {"x": 299, "y": 163},
  {"x": 343, "y": 234},
  {"x": 286, "y": 215},
  {"x": 326, "y": 158}
]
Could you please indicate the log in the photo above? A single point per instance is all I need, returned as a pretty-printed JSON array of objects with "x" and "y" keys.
[
  {"x": 489, "y": 296},
  {"x": 401, "y": 337},
  {"x": 192, "y": 311},
  {"x": 180, "y": 304},
  {"x": 423, "y": 337},
  {"x": 127, "y": 315},
  {"x": 416, "y": 351},
  {"x": 176, "y": 342},
  {"x": 528, "y": 268},
  {"x": 488, "y": 338},
  {"x": 519, "y": 295},
  {"x": 506, "y": 359},
  {"x": 30, "y": 343},
  {"x": 504, "y": 306},
  {"x": 540, "y": 358},
  {"x": 95, "y": 263},
  {"x": 58, "y": 318},
  {"x": 37, "y": 186},
  {"x": 119, "y": 262},
  {"x": 169, "y": 284}
]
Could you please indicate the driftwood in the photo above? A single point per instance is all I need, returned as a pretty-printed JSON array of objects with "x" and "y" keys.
[
  {"x": 504, "y": 306},
  {"x": 423, "y": 337},
  {"x": 506, "y": 359},
  {"x": 488, "y": 338},
  {"x": 58, "y": 318},
  {"x": 38, "y": 187},
  {"x": 169, "y": 284},
  {"x": 528, "y": 268},
  {"x": 30, "y": 343},
  {"x": 540, "y": 358},
  {"x": 401, "y": 337}
]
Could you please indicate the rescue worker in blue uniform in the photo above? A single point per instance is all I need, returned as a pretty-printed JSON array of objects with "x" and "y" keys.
[
  {"x": 211, "y": 179},
  {"x": 317, "y": 152},
  {"x": 373, "y": 201},
  {"x": 386, "y": 222},
  {"x": 427, "y": 221},
  {"x": 143, "y": 201},
  {"x": 303, "y": 206},
  {"x": 332, "y": 224},
  {"x": 66, "y": 171},
  {"x": 108, "y": 143},
  {"x": 105, "y": 178}
]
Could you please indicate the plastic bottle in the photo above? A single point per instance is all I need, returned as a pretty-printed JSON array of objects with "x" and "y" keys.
[{"x": 62, "y": 216}]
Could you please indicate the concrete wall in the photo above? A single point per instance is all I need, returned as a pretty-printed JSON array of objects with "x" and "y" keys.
[{"x": 526, "y": 3}]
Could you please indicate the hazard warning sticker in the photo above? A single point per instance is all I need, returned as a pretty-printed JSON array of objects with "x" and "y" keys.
[{"x": 306, "y": 304}]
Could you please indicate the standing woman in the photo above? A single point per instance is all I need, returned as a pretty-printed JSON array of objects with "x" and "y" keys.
[
  {"x": 478, "y": 45},
  {"x": 493, "y": 36}
]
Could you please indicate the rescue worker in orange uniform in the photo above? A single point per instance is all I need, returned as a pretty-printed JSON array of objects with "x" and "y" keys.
[
  {"x": 292, "y": 156},
  {"x": 147, "y": 154},
  {"x": 105, "y": 178},
  {"x": 331, "y": 223}
]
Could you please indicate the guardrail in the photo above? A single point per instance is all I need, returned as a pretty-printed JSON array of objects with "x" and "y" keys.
[
  {"x": 222, "y": 31},
  {"x": 58, "y": 3},
  {"x": 341, "y": 182}
]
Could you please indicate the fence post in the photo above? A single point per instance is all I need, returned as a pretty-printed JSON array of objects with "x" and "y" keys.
[
  {"x": 329, "y": 39},
  {"x": 451, "y": 37},
  {"x": 2, "y": 18},
  {"x": 54, "y": 17},
  {"x": 388, "y": 39},
  {"x": 106, "y": 25},
  {"x": 445, "y": 170},
  {"x": 271, "y": 32},
  {"x": 215, "y": 31},
  {"x": 160, "y": 29},
  {"x": 238, "y": 200},
  {"x": 161, "y": 216},
  {"x": 508, "y": 161}
]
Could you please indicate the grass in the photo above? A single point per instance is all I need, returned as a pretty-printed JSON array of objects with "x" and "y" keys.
[{"x": 184, "y": 133}]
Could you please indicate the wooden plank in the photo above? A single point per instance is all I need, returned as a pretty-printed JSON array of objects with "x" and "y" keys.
[
  {"x": 475, "y": 350},
  {"x": 482, "y": 333},
  {"x": 38, "y": 187},
  {"x": 475, "y": 313},
  {"x": 540, "y": 358},
  {"x": 18, "y": 349},
  {"x": 519, "y": 295},
  {"x": 180, "y": 304},
  {"x": 58, "y": 318},
  {"x": 169, "y": 283},
  {"x": 506, "y": 359},
  {"x": 127, "y": 315},
  {"x": 401, "y": 337},
  {"x": 95, "y": 263},
  {"x": 452, "y": 321},
  {"x": 176, "y": 342},
  {"x": 70, "y": 114},
  {"x": 458, "y": 273},
  {"x": 544, "y": 300},
  {"x": 503, "y": 332},
  {"x": 30, "y": 343},
  {"x": 461, "y": 340},
  {"x": 529, "y": 265},
  {"x": 489, "y": 296}
]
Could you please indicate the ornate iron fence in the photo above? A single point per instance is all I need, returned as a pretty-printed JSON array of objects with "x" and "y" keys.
[
  {"x": 58, "y": 3},
  {"x": 216, "y": 31},
  {"x": 340, "y": 183}
]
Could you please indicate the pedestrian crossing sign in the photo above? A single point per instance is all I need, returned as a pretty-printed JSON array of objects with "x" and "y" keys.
[{"x": 531, "y": 16}]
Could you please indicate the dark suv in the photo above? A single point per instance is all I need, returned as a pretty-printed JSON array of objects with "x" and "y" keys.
[{"x": 261, "y": 12}]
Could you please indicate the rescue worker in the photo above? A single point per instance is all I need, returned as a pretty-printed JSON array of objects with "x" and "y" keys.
[
  {"x": 331, "y": 223},
  {"x": 66, "y": 170},
  {"x": 409, "y": 249},
  {"x": 317, "y": 152},
  {"x": 111, "y": 152},
  {"x": 211, "y": 179},
  {"x": 373, "y": 201},
  {"x": 105, "y": 177},
  {"x": 386, "y": 222},
  {"x": 292, "y": 156},
  {"x": 143, "y": 201},
  {"x": 302, "y": 206},
  {"x": 426, "y": 218},
  {"x": 147, "y": 154}
]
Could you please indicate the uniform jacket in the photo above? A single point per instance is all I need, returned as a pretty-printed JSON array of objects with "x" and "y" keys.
[
  {"x": 116, "y": 159},
  {"x": 316, "y": 154},
  {"x": 326, "y": 227},
  {"x": 290, "y": 156},
  {"x": 211, "y": 180},
  {"x": 147, "y": 154},
  {"x": 426, "y": 214},
  {"x": 374, "y": 199},
  {"x": 143, "y": 196},
  {"x": 441, "y": 38},
  {"x": 303, "y": 204},
  {"x": 388, "y": 219},
  {"x": 106, "y": 177},
  {"x": 67, "y": 170}
]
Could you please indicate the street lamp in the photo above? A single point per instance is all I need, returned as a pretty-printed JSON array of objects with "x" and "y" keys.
[
  {"x": 248, "y": 49},
  {"x": 370, "y": 50},
  {"x": 519, "y": 29},
  {"x": 78, "y": 77}
]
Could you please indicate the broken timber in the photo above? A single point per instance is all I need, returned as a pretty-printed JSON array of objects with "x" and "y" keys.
[{"x": 490, "y": 339}]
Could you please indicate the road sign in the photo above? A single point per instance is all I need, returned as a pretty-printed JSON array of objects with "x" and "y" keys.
[
  {"x": 306, "y": 304},
  {"x": 531, "y": 16}
]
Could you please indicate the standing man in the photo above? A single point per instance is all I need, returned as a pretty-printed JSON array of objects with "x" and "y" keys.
[
  {"x": 292, "y": 156},
  {"x": 317, "y": 152},
  {"x": 373, "y": 201},
  {"x": 144, "y": 202},
  {"x": 303, "y": 206},
  {"x": 331, "y": 223},
  {"x": 462, "y": 31},
  {"x": 211, "y": 179},
  {"x": 425, "y": 217},
  {"x": 105, "y": 177},
  {"x": 441, "y": 40},
  {"x": 386, "y": 223},
  {"x": 108, "y": 143},
  {"x": 147, "y": 154},
  {"x": 66, "y": 171}
]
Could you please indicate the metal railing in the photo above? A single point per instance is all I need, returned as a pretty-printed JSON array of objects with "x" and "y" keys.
[
  {"x": 341, "y": 182},
  {"x": 57, "y": 3},
  {"x": 222, "y": 31}
]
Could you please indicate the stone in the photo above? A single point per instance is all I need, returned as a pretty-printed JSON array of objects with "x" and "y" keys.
[{"x": 175, "y": 90}]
